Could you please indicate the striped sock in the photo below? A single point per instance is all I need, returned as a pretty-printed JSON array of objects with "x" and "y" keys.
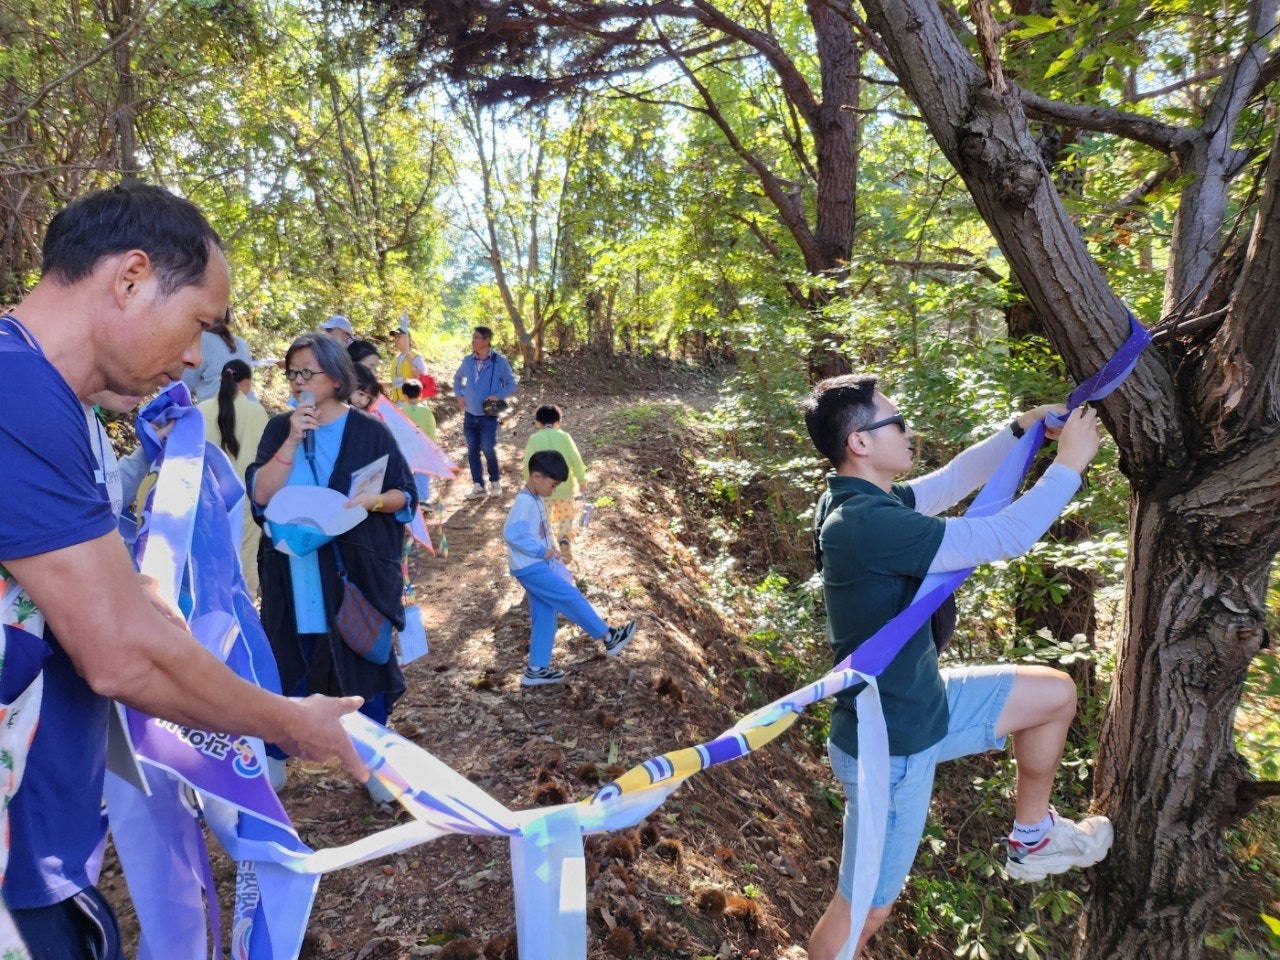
[{"x": 1031, "y": 835}]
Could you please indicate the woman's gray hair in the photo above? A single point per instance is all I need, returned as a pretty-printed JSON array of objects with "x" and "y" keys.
[{"x": 331, "y": 356}]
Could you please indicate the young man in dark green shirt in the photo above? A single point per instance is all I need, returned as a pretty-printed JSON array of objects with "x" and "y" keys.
[{"x": 876, "y": 540}]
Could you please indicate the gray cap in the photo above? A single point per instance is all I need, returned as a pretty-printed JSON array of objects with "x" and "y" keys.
[{"x": 338, "y": 322}]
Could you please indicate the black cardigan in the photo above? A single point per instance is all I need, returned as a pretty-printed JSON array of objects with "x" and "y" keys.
[{"x": 371, "y": 552}]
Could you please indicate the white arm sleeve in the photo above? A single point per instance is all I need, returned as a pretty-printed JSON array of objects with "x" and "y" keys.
[
  {"x": 967, "y": 471},
  {"x": 968, "y": 541}
]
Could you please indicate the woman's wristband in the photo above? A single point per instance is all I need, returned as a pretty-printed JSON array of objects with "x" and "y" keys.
[
  {"x": 1017, "y": 429},
  {"x": 276, "y": 456},
  {"x": 377, "y": 504}
]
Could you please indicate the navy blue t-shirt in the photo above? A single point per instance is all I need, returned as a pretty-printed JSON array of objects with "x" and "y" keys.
[{"x": 50, "y": 498}]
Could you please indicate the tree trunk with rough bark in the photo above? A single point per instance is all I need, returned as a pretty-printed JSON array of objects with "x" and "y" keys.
[
  {"x": 126, "y": 89},
  {"x": 1199, "y": 438},
  {"x": 1170, "y": 775}
]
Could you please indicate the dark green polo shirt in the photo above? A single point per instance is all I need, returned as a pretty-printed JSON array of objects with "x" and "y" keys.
[{"x": 873, "y": 550}]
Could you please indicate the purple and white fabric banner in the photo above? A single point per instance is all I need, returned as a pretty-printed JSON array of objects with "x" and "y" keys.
[
  {"x": 189, "y": 543},
  {"x": 547, "y": 854}
]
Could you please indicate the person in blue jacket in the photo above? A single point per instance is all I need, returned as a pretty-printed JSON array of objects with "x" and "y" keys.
[{"x": 483, "y": 380}]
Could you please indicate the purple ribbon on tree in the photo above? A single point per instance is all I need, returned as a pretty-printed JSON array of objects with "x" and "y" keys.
[{"x": 878, "y": 652}]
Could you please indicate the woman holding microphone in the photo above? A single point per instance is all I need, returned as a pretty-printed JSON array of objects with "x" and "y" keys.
[{"x": 324, "y": 442}]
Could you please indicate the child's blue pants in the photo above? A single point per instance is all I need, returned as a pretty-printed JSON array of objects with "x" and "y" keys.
[{"x": 550, "y": 595}]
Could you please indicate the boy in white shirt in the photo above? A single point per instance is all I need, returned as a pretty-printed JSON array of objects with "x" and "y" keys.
[{"x": 534, "y": 560}]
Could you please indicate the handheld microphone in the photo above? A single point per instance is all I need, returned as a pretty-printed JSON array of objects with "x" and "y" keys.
[{"x": 308, "y": 436}]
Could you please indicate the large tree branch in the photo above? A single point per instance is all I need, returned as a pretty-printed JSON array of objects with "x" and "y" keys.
[
  {"x": 986, "y": 139},
  {"x": 1164, "y": 137},
  {"x": 1237, "y": 85},
  {"x": 1211, "y": 157},
  {"x": 1270, "y": 72},
  {"x": 948, "y": 266},
  {"x": 1242, "y": 376},
  {"x": 620, "y": 26},
  {"x": 793, "y": 81},
  {"x": 1252, "y": 793},
  {"x": 517, "y": 86}
]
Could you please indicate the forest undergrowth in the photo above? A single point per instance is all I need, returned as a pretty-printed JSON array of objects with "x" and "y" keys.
[{"x": 740, "y": 862}]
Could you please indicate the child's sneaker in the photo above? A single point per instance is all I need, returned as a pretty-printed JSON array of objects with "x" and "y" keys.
[
  {"x": 618, "y": 637},
  {"x": 1065, "y": 846},
  {"x": 538, "y": 676},
  {"x": 477, "y": 491},
  {"x": 495, "y": 488}
]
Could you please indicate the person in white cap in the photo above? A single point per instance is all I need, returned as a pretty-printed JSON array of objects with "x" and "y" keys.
[
  {"x": 407, "y": 365},
  {"x": 339, "y": 327}
]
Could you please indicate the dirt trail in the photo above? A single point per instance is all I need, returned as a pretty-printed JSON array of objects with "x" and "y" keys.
[
  {"x": 740, "y": 862},
  {"x": 683, "y": 680}
]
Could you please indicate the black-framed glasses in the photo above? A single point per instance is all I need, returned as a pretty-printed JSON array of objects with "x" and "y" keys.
[
  {"x": 304, "y": 375},
  {"x": 896, "y": 419}
]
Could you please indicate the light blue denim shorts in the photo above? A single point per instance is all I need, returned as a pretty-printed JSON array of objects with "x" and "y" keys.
[{"x": 975, "y": 698}]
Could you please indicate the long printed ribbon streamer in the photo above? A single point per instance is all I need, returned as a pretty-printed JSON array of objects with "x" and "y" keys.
[
  {"x": 424, "y": 456},
  {"x": 413, "y": 638},
  {"x": 189, "y": 544},
  {"x": 19, "y": 716},
  {"x": 547, "y": 842}
]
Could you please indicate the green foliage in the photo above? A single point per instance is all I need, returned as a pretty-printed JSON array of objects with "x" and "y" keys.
[
  {"x": 955, "y": 895},
  {"x": 636, "y": 421},
  {"x": 279, "y": 120},
  {"x": 1273, "y": 928},
  {"x": 789, "y": 623},
  {"x": 982, "y": 922},
  {"x": 1258, "y": 720},
  {"x": 1242, "y": 942},
  {"x": 306, "y": 243},
  {"x": 1258, "y": 724}
]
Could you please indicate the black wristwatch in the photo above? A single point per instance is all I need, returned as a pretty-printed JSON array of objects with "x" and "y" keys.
[{"x": 1017, "y": 429}]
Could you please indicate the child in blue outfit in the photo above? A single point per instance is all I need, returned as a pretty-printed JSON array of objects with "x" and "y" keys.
[{"x": 534, "y": 560}]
